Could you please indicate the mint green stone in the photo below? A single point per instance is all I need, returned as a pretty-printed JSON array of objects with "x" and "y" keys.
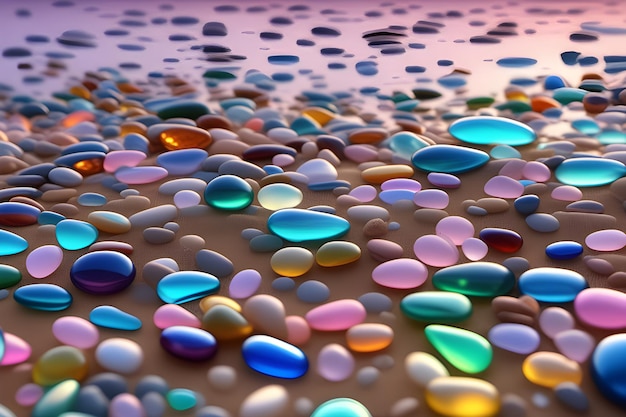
[
  {"x": 9, "y": 276},
  {"x": 11, "y": 244},
  {"x": 341, "y": 407},
  {"x": 589, "y": 172},
  {"x": 436, "y": 306},
  {"x": 181, "y": 399},
  {"x": 57, "y": 400},
  {"x": 465, "y": 350},
  {"x": 477, "y": 279},
  {"x": 299, "y": 225},
  {"x": 75, "y": 234},
  {"x": 492, "y": 130}
]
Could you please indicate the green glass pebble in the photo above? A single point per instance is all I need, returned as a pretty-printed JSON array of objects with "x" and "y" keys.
[
  {"x": 477, "y": 279},
  {"x": 589, "y": 172},
  {"x": 9, "y": 276},
  {"x": 181, "y": 399},
  {"x": 491, "y": 130},
  {"x": 299, "y": 225},
  {"x": 449, "y": 159},
  {"x": 465, "y": 350},
  {"x": 341, "y": 407},
  {"x": 479, "y": 102},
  {"x": 11, "y": 243},
  {"x": 436, "y": 306},
  {"x": 75, "y": 234},
  {"x": 228, "y": 192},
  {"x": 57, "y": 400}
]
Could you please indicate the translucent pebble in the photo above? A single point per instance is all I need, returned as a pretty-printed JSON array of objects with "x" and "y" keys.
[
  {"x": 222, "y": 377},
  {"x": 606, "y": 240},
  {"x": 298, "y": 331},
  {"x": 422, "y": 368},
  {"x": 550, "y": 369},
  {"x": 244, "y": 283},
  {"x": 436, "y": 306},
  {"x": 298, "y": 225},
  {"x": 9, "y": 276},
  {"x": 126, "y": 404},
  {"x": 346, "y": 407},
  {"x": 292, "y": 261},
  {"x": 474, "y": 249},
  {"x": 589, "y": 172},
  {"x": 336, "y": 315},
  {"x": 384, "y": 250},
  {"x": 18, "y": 214},
  {"x": 435, "y": 250},
  {"x": 274, "y": 357},
  {"x": 186, "y": 198},
  {"x": 57, "y": 400},
  {"x": 91, "y": 200},
  {"x": 228, "y": 192},
  {"x": 432, "y": 198},
  {"x": 189, "y": 343},
  {"x": 402, "y": 273},
  {"x": 554, "y": 320},
  {"x": 607, "y": 368},
  {"x": 514, "y": 337},
  {"x": 552, "y": 285},
  {"x": 364, "y": 193},
  {"x": 564, "y": 250},
  {"x": 59, "y": 363},
  {"x": 380, "y": 174},
  {"x": 449, "y": 159},
  {"x": 465, "y": 350},
  {"x": 65, "y": 177},
  {"x": 566, "y": 193},
  {"x": 575, "y": 344},
  {"x": 151, "y": 383},
  {"x": 335, "y": 362},
  {"x": 455, "y": 228},
  {"x": 184, "y": 137},
  {"x": 318, "y": 170},
  {"x": 214, "y": 263},
  {"x": 503, "y": 187},
  {"x": 102, "y": 272},
  {"x": 266, "y": 314},
  {"x": 572, "y": 396},
  {"x": 503, "y": 240},
  {"x": 313, "y": 291},
  {"x": 393, "y": 196},
  {"x": 126, "y": 158},
  {"x": 75, "y": 234},
  {"x": 75, "y": 331},
  {"x": 369, "y": 337},
  {"x": 337, "y": 253},
  {"x": 44, "y": 260},
  {"x": 44, "y": 297},
  {"x": 114, "y": 318},
  {"x": 28, "y": 394},
  {"x": 182, "y": 161},
  {"x": 443, "y": 180},
  {"x": 601, "y": 308},
  {"x": 225, "y": 323},
  {"x": 504, "y": 152},
  {"x": 375, "y": 302},
  {"x": 119, "y": 355},
  {"x": 267, "y": 401},
  {"x": 184, "y": 286},
  {"x": 536, "y": 171},
  {"x": 279, "y": 196},
  {"x": 489, "y": 130},
  {"x": 16, "y": 350},
  {"x": 454, "y": 396},
  {"x": 140, "y": 174}
]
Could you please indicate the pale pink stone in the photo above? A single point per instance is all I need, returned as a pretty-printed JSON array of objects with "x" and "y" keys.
[
  {"x": 117, "y": 159},
  {"x": 245, "y": 283},
  {"x": 403, "y": 273},
  {"x": 76, "y": 331},
  {"x": 364, "y": 193},
  {"x": 335, "y": 363},
  {"x": 283, "y": 160},
  {"x": 602, "y": 308},
  {"x": 566, "y": 193},
  {"x": 436, "y": 250},
  {"x": 140, "y": 175},
  {"x": 401, "y": 184},
  {"x": 28, "y": 394},
  {"x": 336, "y": 315},
  {"x": 361, "y": 153},
  {"x": 169, "y": 315},
  {"x": 44, "y": 260},
  {"x": 504, "y": 187},
  {"x": 16, "y": 350},
  {"x": 606, "y": 240},
  {"x": 554, "y": 320},
  {"x": 432, "y": 198},
  {"x": 455, "y": 228},
  {"x": 126, "y": 405},
  {"x": 536, "y": 171},
  {"x": 474, "y": 249},
  {"x": 186, "y": 198},
  {"x": 575, "y": 344},
  {"x": 298, "y": 330},
  {"x": 513, "y": 169}
]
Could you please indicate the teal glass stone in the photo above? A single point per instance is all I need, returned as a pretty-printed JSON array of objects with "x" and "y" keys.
[
  {"x": 406, "y": 143},
  {"x": 436, "y": 306},
  {"x": 11, "y": 244},
  {"x": 465, "y": 350},
  {"x": 587, "y": 126},
  {"x": 566, "y": 95},
  {"x": 57, "y": 400},
  {"x": 341, "y": 407},
  {"x": 228, "y": 192},
  {"x": 181, "y": 399},
  {"x": 44, "y": 297},
  {"x": 477, "y": 279},
  {"x": 114, "y": 318},
  {"x": 491, "y": 130},
  {"x": 449, "y": 159},
  {"x": 299, "y": 225},
  {"x": 2, "y": 345},
  {"x": 589, "y": 172},
  {"x": 75, "y": 234},
  {"x": 92, "y": 200},
  {"x": 552, "y": 285},
  {"x": 183, "y": 286}
]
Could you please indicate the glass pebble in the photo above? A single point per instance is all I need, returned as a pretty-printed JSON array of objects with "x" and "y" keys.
[
  {"x": 279, "y": 196},
  {"x": 120, "y": 355},
  {"x": 336, "y": 315},
  {"x": 271, "y": 399},
  {"x": 335, "y": 363},
  {"x": 75, "y": 234},
  {"x": 549, "y": 369},
  {"x": 114, "y": 318},
  {"x": 575, "y": 344},
  {"x": 434, "y": 250},
  {"x": 11, "y": 243},
  {"x": 274, "y": 357},
  {"x": 564, "y": 250},
  {"x": 344, "y": 407},
  {"x": 313, "y": 291},
  {"x": 9, "y": 276},
  {"x": 422, "y": 368},
  {"x": 436, "y": 306},
  {"x": 75, "y": 331},
  {"x": 44, "y": 297},
  {"x": 455, "y": 228},
  {"x": 606, "y": 240},
  {"x": 551, "y": 285},
  {"x": 589, "y": 172},
  {"x": 601, "y": 308},
  {"x": 58, "y": 400},
  {"x": 184, "y": 286},
  {"x": 337, "y": 253},
  {"x": 465, "y": 350},
  {"x": 59, "y": 363},
  {"x": 608, "y": 370},
  {"x": 402, "y": 273},
  {"x": 298, "y": 225},
  {"x": 481, "y": 279},
  {"x": 16, "y": 350},
  {"x": 514, "y": 337},
  {"x": 228, "y": 192},
  {"x": 449, "y": 159},
  {"x": 369, "y": 337},
  {"x": 102, "y": 272},
  {"x": 244, "y": 283},
  {"x": 292, "y": 261}
]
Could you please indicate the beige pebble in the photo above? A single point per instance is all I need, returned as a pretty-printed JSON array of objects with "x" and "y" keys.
[
  {"x": 10, "y": 164},
  {"x": 58, "y": 196},
  {"x": 429, "y": 216},
  {"x": 493, "y": 205}
]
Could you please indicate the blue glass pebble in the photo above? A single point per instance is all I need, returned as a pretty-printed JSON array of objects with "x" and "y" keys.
[
  {"x": 45, "y": 297},
  {"x": 564, "y": 250},
  {"x": 449, "y": 159},
  {"x": 75, "y": 234},
  {"x": 608, "y": 368},
  {"x": 92, "y": 200},
  {"x": 516, "y": 62},
  {"x": 102, "y": 272},
  {"x": 11, "y": 243},
  {"x": 183, "y": 286},
  {"x": 526, "y": 204},
  {"x": 189, "y": 343},
  {"x": 491, "y": 130},
  {"x": 589, "y": 172},
  {"x": 274, "y": 357},
  {"x": 114, "y": 318},
  {"x": 551, "y": 285},
  {"x": 393, "y": 196},
  {"x": 299, "y": 225}
]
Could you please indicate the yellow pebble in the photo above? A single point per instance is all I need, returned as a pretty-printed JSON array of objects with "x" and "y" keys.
[
  {"x": 550, "y": 369},
  {"x": 319, "y": 114},
  {"x": 58, "y": 364},
  {"x": 292, "y": 261},
  {"x": 455, "y": 396},
  {"x": 225, "y": 323},
  {"x": 185, "y": 137},
  {"x": 132, "y": 126},
  {"x": 337, "y": 253},
  {"x": 369, "y": 337},
  {"x": 80, "y": 91},
  {"x": 212, "y": 300},
  {"x": 380, "y": 174}
]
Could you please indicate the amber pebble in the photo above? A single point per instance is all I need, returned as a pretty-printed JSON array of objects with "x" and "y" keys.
[
  {"x": 185, "y": 137},
  {"x": 369, "y": 337},
  {"x": 380, "y": 174},
  {"x": 211, "y": 121},
  {"x": 108, "y": 104},
  {"x": 543, "y": 103},
  {"x": 80, "y": 91},
  {"x": 455, "y": 396},
  {"x": 213, "y": 300},
  {"x": 319, "y": 114},
  {"x": 58, "y": 364},
  {"x": 126, "y": 87},
  {"x": 550, "y": 369},
  {"x": 368, "y": 136},
  {"x": 89, "y": 166},
  {"x": 337, "y": 253},
  {"x": 225, "y": 323},
  {"x": 132, "y": 126}
]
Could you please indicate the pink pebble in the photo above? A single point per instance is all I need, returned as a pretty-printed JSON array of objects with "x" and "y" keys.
[
  {"x": 606, "y": 240},
  {"x": 255, "y": 123},
  {"x": 444, "y": 180},
  {"x": 432, "y": 198},
  {"x": 336, "y": 315},
  {"x": 403, "y": 273},
  {"x": 474, "y": 249},
  {"x": 436, "y": 250},
  {"x": 117, "y": 159},
  {"x": 504, "y": 187},
  {"x": 186, "y": 198},
  {"x": 601, "y": 307},
  {"x": 283, "y": 160},
  {"x": 554, "y": 320},
  {"x": 44, "y": 260},
  {"x": 75, "y": 331},
  {"x": 363, "y": 193},
  {"x": 455, "y": 228},
  {"x": 536, "y": 171},
  {"x": 169, "y": 315},
  {"x": 245, "y": 283},
  {"x": 16, "y": 350},
  {"x": 298, "y": 330},
  {"x": 361, "y": 153},
  {"x": 575, "y": 344},
  {"x": 401, "y": 184},
  {"x": 140, "y": 175},
  {"x": 335, "y": 363},
  {"x": 513, "y": 169},
  {"x": 566, "y": 193},
  {"x": 28, "y": 394},
  {"x": 126, "y": 405}
]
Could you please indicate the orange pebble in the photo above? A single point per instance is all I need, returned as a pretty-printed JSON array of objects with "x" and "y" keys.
[
  {"x": 185, "y": 137},
  {"x": 319, "y": 114},
  {"x": 255, "y": 124},
  {"x": 89, "y": 166},
  {"x": 380, "y": 174},
  {"x": 80, "y": 91},
  {"x": 369, "y": 337},
  {"x": 543, "y": 103},
  {"x": 77, "y": 117},
  {"x": 368, "y": 136},
  {"x": 132, "y": 127}
]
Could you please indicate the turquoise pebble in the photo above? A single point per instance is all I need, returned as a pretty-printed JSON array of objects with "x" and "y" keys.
[
  {"x": 75, "y": 234},
  {"x": 49, "y": 217},
  {"x": 564, "y": 250},
  {"x": 91, "y": 200},
  {"x": 274, "y": 357},
  {"x": 114, "y": 318},
  {"x": 490, "y": 130},
  {"x": 44, "y": 297},
  {"x": 608, "y": 368},
  {"x": 57, "y": 400},
  {"x": 436, "y": 306},
  {"x": 228, "y": 192},
  {"x": 406, "y": 143},
  {"x": 504, "y": 152},
  {"x": 449, "y": 159},
  {"x": 341, "y": 407},
  {"x": 589, "y": 172},
  {"x": 566, "y": 95},
  {"x": 11, "y": 243},
  {"x": 181, "y": 399},
  {"x": 478, "y": 279},
  {"x": 183, "y": 286},
  {"x": 552, "y": 285},
  {"x": 299, "y": 225}
]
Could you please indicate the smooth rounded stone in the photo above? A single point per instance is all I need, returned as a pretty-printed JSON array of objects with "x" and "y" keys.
[
  {"x": 367, "y": 376},
  {"x": 40, "y": 263},
  {"x": 434, "y": 250},
  {"x": 401, "y": 184},
  {"x": 598, "y": 265},
  {"x": 513, "y": 405},
  {"x": 120, "y": 355},
  {"x": 336, "y": 315},
  {"x": 571, "y": 396},
  {"x": 244, "y": 283},
  {"x": 75, "y": 234},
  {"x": 274, "y": 357},
  {"x": 125, "y": 158},
  {"x": 298, "y": 331},
  {"x": 50, "y": 218},
  {"x": 465, "y": 350},
  {"x": 57, "y": 400},
  {"x": 279, "y": 196},
  {"x": 188, "y": 343},
  {"x": 601, "y": 308},
  {"x": 477, "y": 279},
  {"x": 589, "y": 172},
  {"x": 114, "y": 318},
  {"x": 184, "y": 286},
  {"x": 375, "y": 302},
  {"x": 526, "y": 204},
  {"x": 313, "y": 292},
  {"x": 28, "y": 394},
  {"x": 554, "y": 320},
  {"x": 92, "y": 401},
  {"x": 182, "y": 161},
  {"x": 566, "y": 193},
  {"x": 44, "y": 297},
  {"x": 225, "y": 323},
  {"x": 543, "y": 222},
  {"x": 345, "y": 407},
  {"x": 364, "y": 193},
  {"x": 65, "y": 177},
  {"x": 335, "y": 363},
  {"x": 456, "y": 396},
  {"x": 575, "y": 344},
  {"x": 222, "y": 377},
  {"x": 384, "y": 250},
  {"x": 395, "y": 196},
  {"x": 380, "y": 174},
  {"x": 102, "y": 272},
  {"x": 109, "y": 222},
  {"x": 514, "y": 337},
  {"x": 607, "y": 368},
  {"x": 267, "y": 401},
  {"x": 551, "y": 285},
  {"x": 241, "y": 169},
  {"x": 432, "y": 199},
  {"x": 174, "y": 315},
  {"x": 337, "y": 253},
  {"x": 449, "y": 159},
  {"x": 186, "y": 198},
  {"x": 422, "y": 368},
  {"x": 292, "y": 261},
  {"x": 436, "y": 307},
  {"x": 474, "y": 249},
  {"x": 176, "y": 137},
  {"x": 59, "y": 363},
  {"x": 75, "y": 331},
  {"x": 158, "y": 235},
  {"x": 402, "y": 273},
  {"x": 455, "y": 228},
  {"x": 369, "y": 337},
  {"x": 503, "y": 187},
  {"x": 299, "y": 225},
  {"x": 18, "y": 214},
  {"x": 364, "y": 213},
  {"x": 429, "y": 216},
  {"x": 502, "y": 240},
  {"x": 91, "y": 200},
  {"x": 443, "y": 180},
  {"x": 140, "y": 174},
  {"x": 586, "y": 206},
  {"x": 549, "y": 369},
  {"x": 229, "y": 193},
  {"x": 154, "y": 216},
  {"x": 266, "y": 314},
  {"x": 318, "y": 170},
  {"x": 490, "y": 130},
  {"x": 606, "y": 240},
  {"x": 172, "y": 187},
  {"x": 266, "y": 243},
  {"x": 154, "y": 404},
  {"x": 375, "y": 228},
  {"x": 214, "y": 263},
  {"x": 564, "y": 250}
]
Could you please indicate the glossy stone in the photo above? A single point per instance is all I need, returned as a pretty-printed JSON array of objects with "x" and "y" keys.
[
  {"x": 184, "y": 286},
  {"x": 335, "y": 363},
  {"x": 189, "y": 343},
  {"x": 75, "y": 331},
  {"x": 58, "y": 400},
  {"x": 369, "y": 337},
  {"x": 45, "y": 297},
  {"x": 109, "y": 221},
  {"x": 336, "y": 315},
  {"x": 184, "y": 137},
  {"x": 75, "y": 234},
  {"x": 120, "y": 355},
  {"x": 59, "y": 363},
  {"x": 436, "y": 306},
  {"x": 341, "y": 407},
  {"x": 182, "y": 161},
  {"x": 589, "y": 172},
  {"x": 11, "y": 243},
  {"x": 18, "y": 214},
  {"x": 564, "y": 250},
  {"x": 114, "y": 318},
  {"x": 274, "y": 357},
  {"x": 607, "y": 240},
  {"x": 550, "y": 369},
  {"x": 602, "y": 308},
  {"x": 226, "y": 323},
  {"x": 608, "y": 369},
  {"x": 268, "y": 400},
  {"x": 514, "y": 337},
  {"x": 298, "y": 225},
  {"x": 489, "y": 130},
  {"x": 435, "y": 250},
  {"x": 403, "y": 273},
  {"x": 422, "y": 368},
  {"x": 462, "y": 397},
  {"x": 228, "y": 192},
  {"x": 292, "y": 261},
  {"x": 552, "y": 285},
  {"x": 279, "y": 196},
  {"x": 478, "y": 279},
  {"x": 9, "y": 276},
  {"x": 449, "y": 159},
  {"x": 16, "y": 350},
  {"x": 465, "y": 350},
  {"x": 103, "y": 272},
  {"x": 503, "y": 240},
  {"x": 337, "y": 253}
]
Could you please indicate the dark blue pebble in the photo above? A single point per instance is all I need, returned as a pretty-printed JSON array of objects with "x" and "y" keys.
[
  {"x": 109, "y": 383},
  {"x": 608, "y": 368},
  {"x": 564, "y": 250},
  {"x": 526, "y": 204},
  {"x": 189, "y": 343},
  {"x": 92, "y": 401},
  {"x": 102, "y": 272}
]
